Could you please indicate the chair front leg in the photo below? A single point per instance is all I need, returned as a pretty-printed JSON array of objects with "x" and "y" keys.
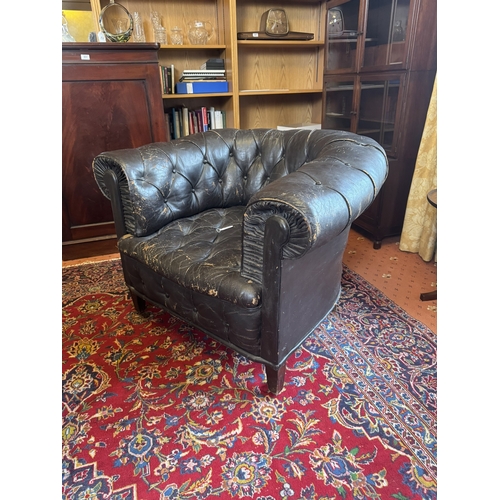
[{"x": 275, "y": 379}]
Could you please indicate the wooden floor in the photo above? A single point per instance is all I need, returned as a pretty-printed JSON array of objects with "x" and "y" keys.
[{"x": 401, "y": 276}]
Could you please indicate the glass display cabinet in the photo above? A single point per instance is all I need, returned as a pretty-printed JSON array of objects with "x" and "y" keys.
[
  {"x": 366, "y": 35},
  {"x": 380, "y": 65}
]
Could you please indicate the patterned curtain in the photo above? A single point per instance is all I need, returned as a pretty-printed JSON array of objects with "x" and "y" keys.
[{"x": 420, "y": 223}]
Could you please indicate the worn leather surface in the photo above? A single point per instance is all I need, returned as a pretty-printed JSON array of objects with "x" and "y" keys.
[{"x": 176, "y": 196}]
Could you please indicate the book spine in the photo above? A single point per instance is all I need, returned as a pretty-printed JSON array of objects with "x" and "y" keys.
[
  {"x": 172, "y": 76},
  {"x": 185, "y": 121},
  {"x": 204, "y": 118},
  {"x": 168, "y": 78},
  {"x": 211, "y": 114}
]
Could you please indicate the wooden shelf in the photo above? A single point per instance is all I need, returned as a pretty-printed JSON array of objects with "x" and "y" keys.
[
  {"x": 282, "y": 43},
  {"x": 191, "y": 47},
  {"x": 197, "y": 96},
  {"x": 279, "y": 91}
]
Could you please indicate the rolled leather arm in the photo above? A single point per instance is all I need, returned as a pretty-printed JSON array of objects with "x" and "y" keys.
[{"x": 318, "y": 201}]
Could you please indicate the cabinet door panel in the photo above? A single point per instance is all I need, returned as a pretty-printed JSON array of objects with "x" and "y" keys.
[
  {"x": 343, "y": 35},
  {"x": 120, "y": 118},
  {"x": 111, "y": 99},
  {"x": 386, "y": 33},
  {"x": 339, "y": 112},
  {"x": 378, "y": 110}
]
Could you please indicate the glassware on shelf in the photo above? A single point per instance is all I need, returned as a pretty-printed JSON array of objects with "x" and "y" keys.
[
  {"x": 200, "y": 32},
  {"x": 398, "y": 34},
  {"x": 116, "y": 22},
  {"x": 161, "y": 35},
  {"x": 138, "y": 34},
  {"x": 159, "y": 31},
  {"x": 176, "y": 36},
  {"x": 66, "y": 35}
]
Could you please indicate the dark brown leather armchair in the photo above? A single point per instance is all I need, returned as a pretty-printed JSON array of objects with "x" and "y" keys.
[{"x": 241, "y": 232}]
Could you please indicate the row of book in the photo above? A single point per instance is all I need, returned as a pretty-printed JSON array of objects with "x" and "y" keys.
[
  {"x": 167, "y": 77},
  {"x": 182, "y": 121},
  {"x": 211, "y": 76}
]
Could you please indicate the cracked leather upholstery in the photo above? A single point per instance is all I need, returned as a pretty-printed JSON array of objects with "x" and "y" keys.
[{"x": 194, "y": 213}]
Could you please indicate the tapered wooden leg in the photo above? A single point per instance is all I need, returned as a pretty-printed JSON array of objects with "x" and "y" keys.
[
  {"x": 429, "y": 295},
  {"x": 275, "y": 379},
  {"x": 139, "y": 303}
]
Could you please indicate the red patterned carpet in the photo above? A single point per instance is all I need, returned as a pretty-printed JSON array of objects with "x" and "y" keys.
[{"x": 153, "y": 409}]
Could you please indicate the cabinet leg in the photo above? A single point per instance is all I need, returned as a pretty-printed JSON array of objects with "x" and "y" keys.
[
  {"x": 377, "y": 244},
  {"x": 275, "y": 379},
  {"x": 429, "y": 295}
]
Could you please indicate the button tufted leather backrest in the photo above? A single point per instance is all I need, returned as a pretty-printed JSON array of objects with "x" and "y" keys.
[{"x": 219, "y": 168}]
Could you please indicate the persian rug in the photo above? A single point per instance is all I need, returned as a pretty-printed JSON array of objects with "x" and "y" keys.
[{"x": 154, "y": 409}]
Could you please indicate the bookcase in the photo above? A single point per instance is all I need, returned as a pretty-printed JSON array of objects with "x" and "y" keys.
[{"x": 269, "y": 82}]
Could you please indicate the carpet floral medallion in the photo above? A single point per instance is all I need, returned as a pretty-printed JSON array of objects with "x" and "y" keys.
[{"x": 154, "y": 409}]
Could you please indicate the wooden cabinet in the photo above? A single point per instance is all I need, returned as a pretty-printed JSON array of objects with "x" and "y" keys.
[
  {"x": 111, "y": 99},
  {"x": 380, "y": 65}
]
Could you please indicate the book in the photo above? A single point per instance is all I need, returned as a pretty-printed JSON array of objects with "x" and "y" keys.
[
  {"x": 305, "y": 126},
  {"x": 218, "y": 119},
  {"x": 213, "y": 63},
  {"x": 203, "y": 71},
  {"x": 211, "y": 118},
  {"x": 185, "y": 121},
  {"x": 176, "y": 123},
  {"x": 204, "y": 118},
  {"x": 172, "y": 82},
  {"x": 201, "y": 87},
  {"x": 202, "y": 78},
  {"x": 191, "y": 74}
]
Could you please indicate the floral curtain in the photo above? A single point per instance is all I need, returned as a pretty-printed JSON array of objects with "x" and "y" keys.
[{"x": 420, "y": 223}]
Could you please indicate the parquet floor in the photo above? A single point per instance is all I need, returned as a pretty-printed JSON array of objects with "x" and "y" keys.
[{"x": 402, "y": 276}]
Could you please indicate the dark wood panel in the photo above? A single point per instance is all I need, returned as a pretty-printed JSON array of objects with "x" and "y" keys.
[
  {"x": 111, "y": 99},
  {"x": 88, "y": 248},
  {"x": 98, "y": 116}
]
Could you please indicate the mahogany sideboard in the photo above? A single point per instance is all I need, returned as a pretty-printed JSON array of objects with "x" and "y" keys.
[{"x": 111, "y": 99}]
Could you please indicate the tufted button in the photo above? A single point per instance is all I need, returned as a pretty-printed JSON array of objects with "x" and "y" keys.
[
  {"x": 245, "y": 177},
  {"x": 192, "y": 190},
  {"x": 173, "y": 170},
  {"x": 220, "y": 181},
  {"x": 205, "y": 160}
]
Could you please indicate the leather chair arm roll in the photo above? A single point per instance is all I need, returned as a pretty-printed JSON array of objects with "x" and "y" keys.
[{"x": 318, "y": 202}]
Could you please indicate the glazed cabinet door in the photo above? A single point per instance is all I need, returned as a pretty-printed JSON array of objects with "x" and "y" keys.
[
  {"x": 367, "y": 35},
  {"x": 386, "y": 30},
  {"x": 343, "y": 35},
  {"x": 339, "y": 103},
  {"x": 368, "y": 105},
  {"x": 380, "y": 104}
]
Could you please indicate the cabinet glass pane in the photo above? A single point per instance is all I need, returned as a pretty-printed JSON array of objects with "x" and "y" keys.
[
  {"x": 386, "y": 32},
  {"x": 377, "y": 110},
  {"x": 342, "y": 35},
  {"x": 338, "y": 105}
]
